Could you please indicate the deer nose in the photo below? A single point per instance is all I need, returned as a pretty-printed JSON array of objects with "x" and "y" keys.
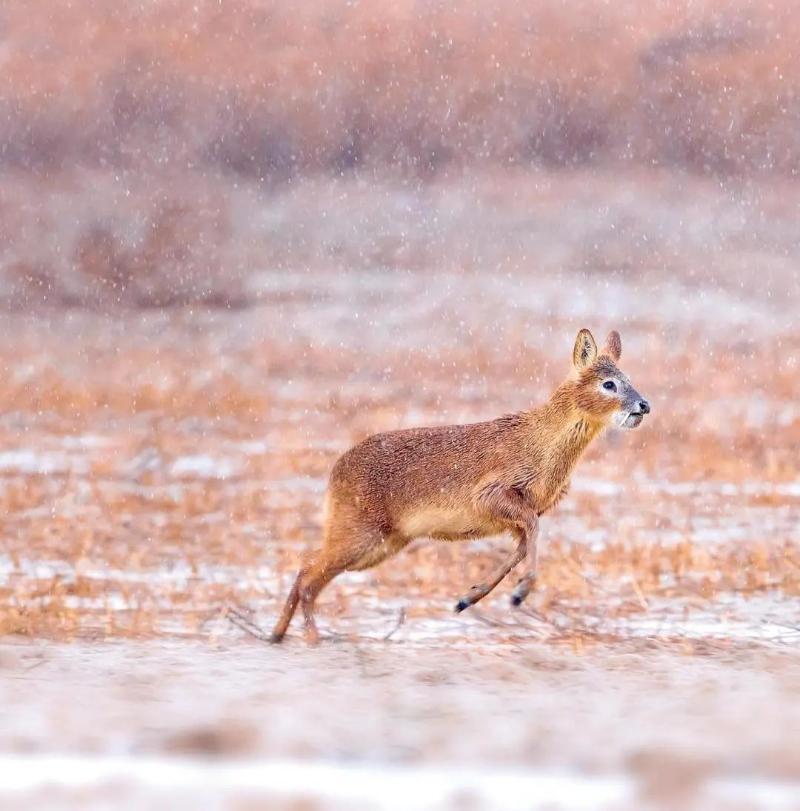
[{"x": 644, "y": 406}]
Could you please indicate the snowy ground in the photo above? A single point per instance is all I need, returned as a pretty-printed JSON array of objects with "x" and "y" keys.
[{"x": 169, "y": 724}]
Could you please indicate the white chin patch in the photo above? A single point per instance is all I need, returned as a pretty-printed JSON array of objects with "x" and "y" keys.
[
  {"x": 619, "y": 417},
  {"x": 625, "y": 419}
]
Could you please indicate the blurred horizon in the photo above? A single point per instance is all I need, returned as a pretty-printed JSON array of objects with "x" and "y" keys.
[
  {"x": 270, "y": 90},
  {"x": 167, "y": 153}
]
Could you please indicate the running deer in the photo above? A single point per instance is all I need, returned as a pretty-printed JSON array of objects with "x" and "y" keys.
[{"x": 460, "y": 482}]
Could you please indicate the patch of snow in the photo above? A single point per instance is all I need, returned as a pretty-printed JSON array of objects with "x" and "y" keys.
[
  {"x": 203, "y": 466},
  {"x": 28, "y": 461},
  {"x": 84, "y": 441},
  {"x": 308, "y": 483},
  {"x": 381, "y": 787},
  {"x": 376, "y": 786}
]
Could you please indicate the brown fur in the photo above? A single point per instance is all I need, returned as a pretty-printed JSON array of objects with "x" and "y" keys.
[{"x": 460, "y": 482}]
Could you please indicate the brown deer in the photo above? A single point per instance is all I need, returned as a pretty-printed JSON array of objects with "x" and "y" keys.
[{"x": 460, "y": 482}]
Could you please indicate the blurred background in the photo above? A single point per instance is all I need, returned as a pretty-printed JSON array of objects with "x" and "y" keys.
[
  {"x": 165, "y": 153},
  {"x": 237, "y": 237}
]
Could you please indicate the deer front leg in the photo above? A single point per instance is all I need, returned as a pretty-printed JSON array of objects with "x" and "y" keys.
[
  {"x": 528, "y": 579},
  {"x": 509, "y": 505},
  {"x": 479, "y": 591}
]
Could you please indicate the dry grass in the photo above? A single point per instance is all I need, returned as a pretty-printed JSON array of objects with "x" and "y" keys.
[
  {"x": 581, "y": 594},
  {"x": 147, "y": 486}
]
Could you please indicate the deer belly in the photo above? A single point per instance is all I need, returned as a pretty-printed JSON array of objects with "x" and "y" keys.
[{"x": 441, "y": 522}]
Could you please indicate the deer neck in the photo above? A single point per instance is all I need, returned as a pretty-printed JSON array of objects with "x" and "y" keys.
[{"x": 566, "y": 432}]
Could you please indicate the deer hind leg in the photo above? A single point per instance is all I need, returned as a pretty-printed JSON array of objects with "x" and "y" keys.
[
  {"x": 352, "y": 549},
  {"x": 479, "y": 591},
  {"x": 315, "y": 573},
  {"x": 279, "y": 631},
  {"x": 528, "y": 579},
  {"x": 318, "y": 575},
  {"x": 349, "y": 546}
]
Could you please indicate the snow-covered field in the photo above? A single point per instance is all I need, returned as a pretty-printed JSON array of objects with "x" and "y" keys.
[{"x": 390, "y": 725}]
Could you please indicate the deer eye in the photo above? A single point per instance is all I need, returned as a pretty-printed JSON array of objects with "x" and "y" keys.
[{"x": 610, "y": 385}]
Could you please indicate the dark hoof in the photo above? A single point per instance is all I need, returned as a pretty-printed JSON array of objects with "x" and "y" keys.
[
  {"x": 518, "y": 597},
  {"x": 461, "y": 605},
  {"x": 275, "y": 639}
]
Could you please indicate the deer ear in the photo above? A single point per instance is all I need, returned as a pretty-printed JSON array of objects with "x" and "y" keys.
[
  {"x": 613, "y": 345},
  {"x": 585, "y": 350}
]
